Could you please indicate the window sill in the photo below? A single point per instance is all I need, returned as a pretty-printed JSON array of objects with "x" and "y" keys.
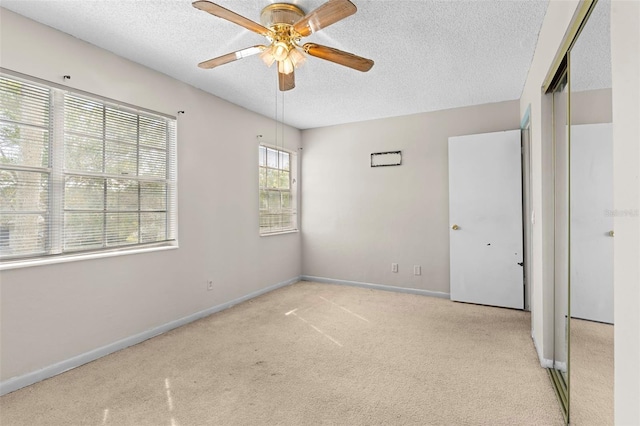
[
  {"x": 293, "y": 231},
  {"x": 77, "y": 257}
]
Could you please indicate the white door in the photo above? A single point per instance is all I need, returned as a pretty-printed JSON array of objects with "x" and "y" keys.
[
  {"x": 592, "y": 222},
  {"x": 485, "y": 219}
]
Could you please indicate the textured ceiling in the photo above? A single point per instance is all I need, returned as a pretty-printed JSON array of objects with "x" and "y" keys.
[{"x": 429, "y": 55}]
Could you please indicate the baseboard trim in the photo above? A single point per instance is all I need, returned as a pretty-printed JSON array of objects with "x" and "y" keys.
[
  {"x": 377, "y": 286},
  {"x": 19, "y": 382},
  {"x": 558, "y": 365},
  {"x": 544, "y": 362}
]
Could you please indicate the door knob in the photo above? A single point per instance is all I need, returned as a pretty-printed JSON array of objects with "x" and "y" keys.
[
  {"x": 455, "y": 227},
  {"x": 611, "y": 233}
]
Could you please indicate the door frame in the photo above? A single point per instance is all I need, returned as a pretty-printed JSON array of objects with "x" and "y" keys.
[{"x": 528, "y": 217}]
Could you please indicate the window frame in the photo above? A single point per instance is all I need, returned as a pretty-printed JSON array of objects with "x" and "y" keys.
[
  {"x": 54, "y": 250},
  {"x": 292, "y": 191}
]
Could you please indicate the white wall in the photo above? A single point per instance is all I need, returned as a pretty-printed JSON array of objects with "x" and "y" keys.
[
  {"x": 55, "y": 312},
  {"x": 357, "y": 220},
  {"x": 590, "y": 107},
  {"x": 625, "y": 70}
]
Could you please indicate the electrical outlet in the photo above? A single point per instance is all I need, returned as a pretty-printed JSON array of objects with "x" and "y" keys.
[
  {"x": 417, "y": 270},
  {"x": 209, "y": 285},
  {"x": 394, "y": 267}
]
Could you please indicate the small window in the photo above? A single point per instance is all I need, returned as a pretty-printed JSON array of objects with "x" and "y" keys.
[{"x": 277, "y": 179}]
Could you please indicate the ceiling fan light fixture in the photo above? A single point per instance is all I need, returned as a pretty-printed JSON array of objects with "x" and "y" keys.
[
  {"x": 280, "y": 50},
  {"x": 297, "y": 57},
  {"x": 267, "y": 56}
]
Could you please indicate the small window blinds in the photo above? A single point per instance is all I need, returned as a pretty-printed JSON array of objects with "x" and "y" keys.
[{"x": 276, "y": 171}]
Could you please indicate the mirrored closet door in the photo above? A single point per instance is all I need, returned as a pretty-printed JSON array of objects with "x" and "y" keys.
[
  {"x": 561, "y": 315},
  {"x": 583, "y": 234},
  {"x": 591, "y": 222}
]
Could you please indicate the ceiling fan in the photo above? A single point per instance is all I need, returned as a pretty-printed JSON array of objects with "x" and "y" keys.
[{"x": 284, "y": 25}]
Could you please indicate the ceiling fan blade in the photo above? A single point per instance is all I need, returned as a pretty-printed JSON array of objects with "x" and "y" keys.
[
  {"x": 338, "y": 56},
  {"x": 325, "y": 15},
  {"x": 286, "y": 81},
  {"x": 230, "y": 57},
  {"x": 223, "y": 13}
]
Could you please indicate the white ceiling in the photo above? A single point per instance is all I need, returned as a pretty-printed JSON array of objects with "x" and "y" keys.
[{"x": 429, "y": 55}]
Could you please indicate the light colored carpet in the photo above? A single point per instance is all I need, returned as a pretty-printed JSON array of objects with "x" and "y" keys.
[
  {"x": 591, "y": 373},
  {"x": 343, "y": 356}
]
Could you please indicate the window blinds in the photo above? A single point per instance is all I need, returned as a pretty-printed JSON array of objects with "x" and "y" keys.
[
  {"x": 25, "y": 121},
  {"x": 109, "y": 182},
  {"x": 116, "y": 190}
]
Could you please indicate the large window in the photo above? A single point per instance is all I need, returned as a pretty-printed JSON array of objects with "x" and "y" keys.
[
  {"x": 277, "y": 171},
  {"x": 80, "y": 174}
]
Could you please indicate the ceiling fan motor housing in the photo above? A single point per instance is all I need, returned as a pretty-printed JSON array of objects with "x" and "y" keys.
[{"x": 280, "y": 13}]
